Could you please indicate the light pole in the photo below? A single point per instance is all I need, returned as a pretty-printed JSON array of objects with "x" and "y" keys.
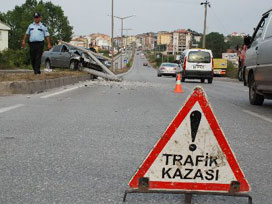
[
  {"x": 112, "y": 34},
  {"x": 206, "y": 4},
  {"x": 122, "y": 29}
]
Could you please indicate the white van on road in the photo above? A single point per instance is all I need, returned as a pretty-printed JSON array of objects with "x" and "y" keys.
[{"x": 197, "y": 64}]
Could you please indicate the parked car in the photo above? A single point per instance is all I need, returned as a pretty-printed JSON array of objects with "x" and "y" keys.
[
  {"x": 169, "y": 69},
  {"x": 197, "y": 64},
  {"x": 258, "y": 62}
]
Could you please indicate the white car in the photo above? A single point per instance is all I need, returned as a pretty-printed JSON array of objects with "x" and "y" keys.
[
  {"x": 197, "y": 64},
  {"x": 168, "y": 69}
]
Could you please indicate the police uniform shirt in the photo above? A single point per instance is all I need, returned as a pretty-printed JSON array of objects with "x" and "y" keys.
[{"x": 37, "y": 32}]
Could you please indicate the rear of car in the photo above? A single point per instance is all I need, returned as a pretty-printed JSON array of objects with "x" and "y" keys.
[
  {"x": 220, "y": 67},
  {"x": 168, "y": 69},
  {"x": 197, "y": 64}
]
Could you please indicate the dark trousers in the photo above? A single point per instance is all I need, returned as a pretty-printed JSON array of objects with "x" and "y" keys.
[{"x": 36, "y": 51}]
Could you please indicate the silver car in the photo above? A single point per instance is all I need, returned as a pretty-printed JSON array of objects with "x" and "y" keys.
[
  {"x": 62, "y": 56},
  {"x": 168, "y": 68},
  {"x": 258, "y": 63}
]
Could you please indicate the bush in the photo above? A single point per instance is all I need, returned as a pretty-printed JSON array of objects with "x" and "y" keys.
[
  {"x": 14, "y": 59},
  {"x": 232, "y": 71},
  {"x": 156, "y": 62}
]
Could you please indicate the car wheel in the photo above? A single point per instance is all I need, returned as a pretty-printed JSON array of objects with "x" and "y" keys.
[
  {"x": 202, "y": 80},
  {"x": 47, "y": 65},
  {"x": 73, "y": 65},
  {"x": 210, "y": 80},
  {"x": 240, "y": 74},
  {"x": 254, "y": 97}
]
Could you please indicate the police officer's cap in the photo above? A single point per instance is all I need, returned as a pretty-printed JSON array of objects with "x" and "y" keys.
[{"x": 37, "y": 15}]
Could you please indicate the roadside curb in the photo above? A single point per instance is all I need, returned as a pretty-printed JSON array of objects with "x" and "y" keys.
[
  {"x": 30, "y": 87},
  {"x": 226, "y": 79}
]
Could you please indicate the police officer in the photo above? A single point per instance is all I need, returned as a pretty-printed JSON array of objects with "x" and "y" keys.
[{"x": 36, "y": 32}]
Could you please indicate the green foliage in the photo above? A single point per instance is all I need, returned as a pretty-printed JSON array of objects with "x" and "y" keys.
[
  {"x": 232, "y": 71},
  {"x": 215, "y": 42},
  {"x": 130, "y": 62},
  {"x": 104, "y": 52},
  {"x": 21, "y": 16},
  {"x": 14, "y": 59},
  {"x": 156, "y": 62},
  {"x": 234, "y": 42},
  {"x": 161, "y": 48}
]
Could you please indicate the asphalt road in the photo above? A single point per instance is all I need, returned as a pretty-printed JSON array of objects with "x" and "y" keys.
[{"x": 83, "y": 143}]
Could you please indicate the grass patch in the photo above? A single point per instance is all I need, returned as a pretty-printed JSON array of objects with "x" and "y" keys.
[
  {"x": 43, "y": 76},
  {"x": 120, "y": 71}
]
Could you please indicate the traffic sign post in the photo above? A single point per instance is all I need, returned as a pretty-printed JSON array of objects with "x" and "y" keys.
[{"x": 192, "y": 157}]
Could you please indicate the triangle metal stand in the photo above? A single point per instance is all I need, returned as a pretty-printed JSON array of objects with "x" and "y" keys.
[{"x": 144, "y": 188}]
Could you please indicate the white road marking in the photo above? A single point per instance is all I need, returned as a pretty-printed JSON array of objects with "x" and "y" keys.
[
  {"x": 258, "y": 116},
  {"x": 59, "y": 92},
  {"x": 2, "y": 110}
]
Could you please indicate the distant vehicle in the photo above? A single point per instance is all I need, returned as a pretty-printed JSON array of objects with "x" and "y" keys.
[
  {"x": 145, "y": 64},
  {"x": 169, "y": 69},
  {"x": 220, "y": 67},
  {"x": 258, "y": 61},
  {"x": 197, "y": 64},
  {"x": 62, "y": 56}
]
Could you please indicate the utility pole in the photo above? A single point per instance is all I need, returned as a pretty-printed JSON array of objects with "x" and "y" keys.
[
  {"x": 122, "y": 34},
  {"x": 112, "y": 35},
  {"x": 206, "y": 4}
]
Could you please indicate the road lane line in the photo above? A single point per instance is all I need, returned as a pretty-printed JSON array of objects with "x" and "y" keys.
[
  {"x": 6, "y": 109},
  {"x": 258, "y": 116},
  {"x": 59, "y": 92}
]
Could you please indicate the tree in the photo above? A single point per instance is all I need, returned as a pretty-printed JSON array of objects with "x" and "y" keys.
[
  {"x": 215, "y": 42},
  {"x": 234, "y": 42},
  {"x": 21, "y": 16}
]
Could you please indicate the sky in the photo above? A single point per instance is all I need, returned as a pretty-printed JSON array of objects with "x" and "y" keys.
[{"x": 224, "y": 16}]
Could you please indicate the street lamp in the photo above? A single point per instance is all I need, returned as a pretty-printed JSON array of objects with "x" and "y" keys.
[
  {"x": 206, "y": 4},
  {"x": 112, "y": 34},
  {"x": 122, "y": 29}
]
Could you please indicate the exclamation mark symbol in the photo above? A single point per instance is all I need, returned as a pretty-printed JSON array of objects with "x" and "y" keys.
[{"x": 195, "y": 121}]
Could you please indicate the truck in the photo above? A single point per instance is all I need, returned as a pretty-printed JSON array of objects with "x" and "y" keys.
[{"x": 220, "y": 67}]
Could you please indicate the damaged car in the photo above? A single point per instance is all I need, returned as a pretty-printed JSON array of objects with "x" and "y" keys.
[{"x": 63, "y": 56}]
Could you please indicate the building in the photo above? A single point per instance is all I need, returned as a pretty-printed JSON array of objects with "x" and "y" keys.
[
  {"x": 128, "y": 40},
  {"x": 4, "y": 29},
  {"x": 102, "y": 41},
  {"x": 182, "y": 40},
  {"x": 164, "y": 38},
  {"x": 79, "y": 41},
  {"x": 236, "y": 34}
]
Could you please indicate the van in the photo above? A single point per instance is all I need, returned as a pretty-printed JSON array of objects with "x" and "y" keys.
[
  {"x": 258, "y": 62},
  {"x": 197, "y": 64}
]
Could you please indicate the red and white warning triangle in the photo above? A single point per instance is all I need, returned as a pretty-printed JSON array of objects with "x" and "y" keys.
[{"x": 193, "y": 154}]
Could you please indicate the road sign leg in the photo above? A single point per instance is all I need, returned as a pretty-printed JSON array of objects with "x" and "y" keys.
[{"x": 188, "y": 199}]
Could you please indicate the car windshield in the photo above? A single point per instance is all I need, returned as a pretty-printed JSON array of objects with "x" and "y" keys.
[
  {"x": 199, "y": 57},
  {"x": 169, "y": 65}
]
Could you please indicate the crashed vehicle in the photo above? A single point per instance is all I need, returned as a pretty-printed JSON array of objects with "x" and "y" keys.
[{"x": 63, "y": 56}]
